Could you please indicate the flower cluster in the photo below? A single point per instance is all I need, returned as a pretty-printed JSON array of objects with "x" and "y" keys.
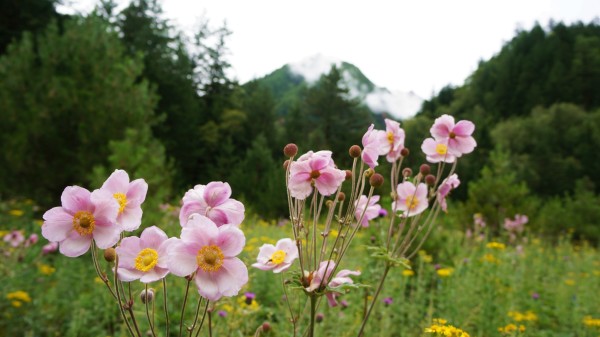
[{"x": 441, "y": 328}]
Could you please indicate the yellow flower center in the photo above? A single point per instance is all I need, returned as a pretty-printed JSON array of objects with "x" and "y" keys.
[
  {"x": 412, "y": 202},
  {"x": 278, "y": 257},
  {"x": 122, "y": 199},
  {"x": 441, "y": 149},
  {"x": 146, "y": 259},
  {"x": 84, "y": 222},
  {"x": 210, "y": 258},
  {"x": 390, "y": 137}
]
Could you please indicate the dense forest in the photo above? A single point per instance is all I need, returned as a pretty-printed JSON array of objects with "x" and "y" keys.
[{"x": 81, "y": 96}]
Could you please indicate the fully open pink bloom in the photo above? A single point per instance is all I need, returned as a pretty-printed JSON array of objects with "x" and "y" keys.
[
  {"x": 437, "y": 151},
  {"x": 410, "y": 199},
  {"x": 375, "y": 144},
  {"x": 458, "y": 136},
  {"x": 14, "y": 238},
  {"x": 210, "y": 251},
  {"x": 372, "y": 209},
  {"x": 83, "y": 216},
  {"x": 214, "y": 202},
  {"x": 144, "y": 258},
  {"x": 130, "y": 196},
  {"x": 446, "y": 186},
  {"x": 342, "y": 277},
  {"x": 277, "y": 258},
  {"x": 314, "y": 169},
  {"x": 395, "y": 140}
]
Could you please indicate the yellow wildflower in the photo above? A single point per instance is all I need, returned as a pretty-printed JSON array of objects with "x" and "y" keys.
[
  {"x": 16, "y": 304},
  {"x": 522, "y": 317},
  {"x": 3, "y": 233},
  {"x": 333, "y": 233},
  {"x": 591, "y": 322},
  {"x": 98, "y": 280},
  {"x": 445, "y": 272},
  {"x": 439, "y": 321},
  {"x": 446, "y": 331},
  {"x": 511, "y": 328},
  {"x": 16, "y": 212},
  {"x": 496, "y": 245},
  {"x": 426, "y": 258},
  {"x": 227, "y": 308},
  {"x": 243, "y": 303},
  {"x": 408, "y": 273},
  {"x": 570, "y": 282},
  {"x": 19, "y": 295},
  {"x": 46, "y": 269},
  {"x": 490, "y": 258}
]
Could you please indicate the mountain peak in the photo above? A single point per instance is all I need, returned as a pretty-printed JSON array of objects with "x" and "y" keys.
[{"x": 312, "y": 67}]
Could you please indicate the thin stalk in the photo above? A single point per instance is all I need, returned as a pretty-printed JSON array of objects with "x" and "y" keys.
[
  {"x": 101, "y": 274},
  {"x": 130, "y": 309},
  {"x": 148, "y": 312},
  {"x": 379, "y": 287},
  {"x": 287, "y": 300},
  {"x": 187, "y": 289},
  {"x": 191, "y": 329},
  {"x": 203, "y": 316},
  {"x": 313, "y": 307},
  {"x": 119, "y": 300},
  {"x": 164, "y": 282}
]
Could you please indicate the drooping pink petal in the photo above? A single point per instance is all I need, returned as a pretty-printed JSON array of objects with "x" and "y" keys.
[
  {"x": 57, "y": 224},
  {"x": 75, "y": 198}
]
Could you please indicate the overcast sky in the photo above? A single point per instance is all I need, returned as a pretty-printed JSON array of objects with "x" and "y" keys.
[{"x": 403, "y": 45}]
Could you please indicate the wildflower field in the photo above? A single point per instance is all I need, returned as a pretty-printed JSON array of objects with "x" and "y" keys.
[{"x": 474, "y": 283}]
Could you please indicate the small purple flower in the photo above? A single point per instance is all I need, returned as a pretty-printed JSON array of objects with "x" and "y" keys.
[
  {"x": 222, "y": 313},
  {"x": 383, "y": 213},
  {"x": 344, "y": 304},
  {"x": 249, "y": 297},
  {"x": 388, "y": 301},
  {"x": 437, "y": 266},
  {"x": 535, "y": 296}
]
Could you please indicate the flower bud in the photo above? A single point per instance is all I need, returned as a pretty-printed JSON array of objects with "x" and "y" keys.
[
  {"x": 425, "y": 169},
  {"x": 404, "y": 152},
  {"x": 376, "y": 180},
  {"x": 290, "y": 150},
  {"x": 147, "y": 296},
  {"x": 319, "y": 317},
  {"x": 348, "y": 174},
  {"x": 369, "y": 172},
  {"x": 407, "y": 172},
  {"x": 430, "y": 179},
  {"x": 329, "y": 203},
  {"x": 286, "y": 164},
  {"x": 266, "y": 327},
  {"x": 355, "y": 151},
  {"x": 110, "y": 254},
  {"x": 341, "y": 196}
]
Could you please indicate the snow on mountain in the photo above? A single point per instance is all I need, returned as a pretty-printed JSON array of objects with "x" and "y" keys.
[{"x": 397, "y": 104}]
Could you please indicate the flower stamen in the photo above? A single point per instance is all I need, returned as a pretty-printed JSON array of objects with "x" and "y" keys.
[
  {"x": 122, "y": 199},
  {"x": 84, "y": 222},
  {"x": 146, "y": 259},
  {"x": 210, "y": 258},
  {"x": 441, "y": 149},
  {"x": 412, "y": 202},
  {"x": 278, "y": 257}
]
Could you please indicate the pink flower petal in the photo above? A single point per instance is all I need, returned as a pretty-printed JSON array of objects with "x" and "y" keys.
[
  {"x": 153, "y": 237},
  {"x": 75, "y": 198},
  {"x": 216, "y": 193},
  {"x": 231, "y": 240},
  {"x": 189, "y": 208},
  {"x": 136, "y": 193},
  {"x": 208, "y": 286},
  {"x": 75, "y": 245},
  {"x": 232, "y": 210},
  {"x": 180, "y": 261},
  {"x": 464, "y": 128},
  {"x": 118, "y": 182},
  {"x": 57, "y": 225},
  {"x": 130, "y": 219},
  {"x": 106, "y": 206},
  {"x": 128, "y": 275},
  {"x": 442, "y": 126},
  {"x": 153, "y": 275},
  {"x": 232, "y": 276},
  {"x": 199, "y": 231},
  {"x": 106, "y": 235}
]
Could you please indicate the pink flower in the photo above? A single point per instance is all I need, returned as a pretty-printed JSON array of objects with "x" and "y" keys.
[
  {"x": 458, "y": 136},
  {"x": 83, "y": 216},
  {"x": 31, "y": 240},
  {"x": 210, "y": 251},
  {"x": 342, "y": 277},
  {"x": 130, "y": 196},
  {"x": 517, "y": 225},
  {"x": 319, "y": 278},
  {"x": 446, "y": 186},
  {"x": 437, "y": 151},
  {"x": 315, "y": 170},
  {"x": 277, "y": 258},
  {"x": 214, "y": 202},
  {"x": 50, "y": 247},
  {"x": 410, "y": 199},
  {"x": 14, "y": 238},
  {"x": 375, "y": 143},
  {"x": 395, "y": 140},
  {"x": 144, "y": 258},
  {"x": 372, "y": 209}
]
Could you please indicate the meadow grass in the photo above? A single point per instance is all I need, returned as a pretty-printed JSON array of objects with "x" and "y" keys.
[{"x": 481, "y": 285}]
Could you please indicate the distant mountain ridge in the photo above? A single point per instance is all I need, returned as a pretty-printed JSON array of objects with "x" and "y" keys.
[{"x": 285, "y": 83}]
